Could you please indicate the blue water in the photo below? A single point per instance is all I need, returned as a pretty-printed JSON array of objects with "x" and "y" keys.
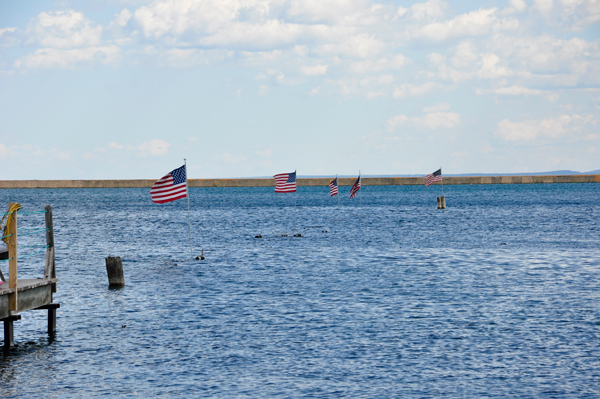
[{"x": 382, "y": 296}]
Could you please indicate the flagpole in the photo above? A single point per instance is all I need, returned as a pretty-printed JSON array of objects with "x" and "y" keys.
[
  {"x": 187, "y": 187},
  {"x": 295, "y": 201},
  {"x": 338, "y": 194},
  {"x": 442, "y": 180}
]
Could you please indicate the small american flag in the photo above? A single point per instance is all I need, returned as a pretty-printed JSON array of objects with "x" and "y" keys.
[
  {"x": 355, "y": 187},
  {"x": 333, "y": 187},
  {"x": 285, "y": 182},
  {"x": 433, "y": 177},
  {"x": 170, "y": 187}
]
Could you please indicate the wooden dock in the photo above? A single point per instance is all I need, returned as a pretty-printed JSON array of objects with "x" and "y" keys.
[{"x": 20, "y": 295}]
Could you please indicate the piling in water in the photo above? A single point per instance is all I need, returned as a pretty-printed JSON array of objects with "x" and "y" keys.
[
  {"x": 114, "y": 269},
  {"x": 441, "y": 202}
]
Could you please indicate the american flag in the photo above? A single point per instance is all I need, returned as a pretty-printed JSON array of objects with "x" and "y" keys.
[
  {"x": 355, "y": 187},
  {"x": 285, "y": 182},
  {"x": 433, "y": 177},
  {"x": 333, "y": 187},
  {"x": 170, "y": 187}
]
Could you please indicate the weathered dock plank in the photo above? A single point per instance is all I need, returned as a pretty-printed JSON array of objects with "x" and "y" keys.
[{"x": 32, "y": 293}]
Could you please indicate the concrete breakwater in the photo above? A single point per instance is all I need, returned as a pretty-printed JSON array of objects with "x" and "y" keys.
[{"x": 342, "y": 181}]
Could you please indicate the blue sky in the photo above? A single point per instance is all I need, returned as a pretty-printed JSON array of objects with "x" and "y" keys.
[{"x": 241, "y": 88}]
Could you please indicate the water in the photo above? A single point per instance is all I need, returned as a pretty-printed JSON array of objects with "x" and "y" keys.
[{"x": 498, "y": 296}]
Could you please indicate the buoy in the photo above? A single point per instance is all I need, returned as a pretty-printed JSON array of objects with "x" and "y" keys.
[{"x": 202, "y": 255}]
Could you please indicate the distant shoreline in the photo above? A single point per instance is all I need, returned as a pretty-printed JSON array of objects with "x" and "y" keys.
[{"x": 343, "y": 181}]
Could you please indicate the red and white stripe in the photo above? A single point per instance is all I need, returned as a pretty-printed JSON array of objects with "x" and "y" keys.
[
  {"x": 165, "y": 191},
  {"x": 355, "y": 188},
  {"x": 430, "y": 179},
  {"x": 333, "y": 188},
  {"x": 281, "y": 184}
]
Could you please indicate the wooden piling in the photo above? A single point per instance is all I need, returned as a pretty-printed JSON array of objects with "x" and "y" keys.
[
  {"x": 114, "y": 269},
  {"x": 50, "y": 265},
  {"x": 439, "y": 203},
  {"x": 12, "y": 256},
  {"x": 9, "y": 331},
  {"x": 443, "y": 201}
]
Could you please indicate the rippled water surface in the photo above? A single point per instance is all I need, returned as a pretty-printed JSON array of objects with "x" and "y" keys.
[{"x": 382, "y": 296}]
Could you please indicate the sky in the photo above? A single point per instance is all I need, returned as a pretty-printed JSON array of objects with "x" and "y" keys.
[{"x": 246, "y": 88}]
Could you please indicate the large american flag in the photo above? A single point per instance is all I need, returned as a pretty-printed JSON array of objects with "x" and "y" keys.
[
  {"x": 170, "y": 187},
  {"x": 355, "y": 187},
  {"x": 285, "y": 182},
  {"x": 433, "y": 177},
  {"x": 333, "y": 187}
]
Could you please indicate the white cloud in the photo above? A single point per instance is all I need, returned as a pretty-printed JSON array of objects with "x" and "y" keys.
[
  {"x": 4, "y": 151},
  {"x": 7, "y": 30},
  {"x": 314, "y": 70},
  {"x": 122, "y": 18},
  {"x": 49, "y": 57},
  {"x": 465, "y": 55},
  {"x": 544, "y": 6},
  {"x": 263, "y": 90},
  {"x": 433, "y": 118},
  {"x": 409, "y": 90},
  {"x": 114, "y": 145},
  {"x": 515, "y": 6},
  {"x": 475, "y": 23},
  {"x": 548, "y": 128},
  {"x": 437, "y": 107},
  {"x": 429, "y": 11},
  {"x": 154, "y": 147},
  {"x": 518, "y": 91},
  {"x": 325, "y": 11},
  {"x": 64, "y": 29},
  {"x": 396, "y": 121},
  {"x": 357, "y": 46},
  {"x": 395, "y": 62}
]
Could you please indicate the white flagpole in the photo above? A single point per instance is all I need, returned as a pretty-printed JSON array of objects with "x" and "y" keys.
[
  {"x": 295, "y": 201},
  {"x": 338, "y": 193},
  {"x": 442, "y": 180},
  {"x": 360, "y": 195},
  {"x": 187, "y": 188}
]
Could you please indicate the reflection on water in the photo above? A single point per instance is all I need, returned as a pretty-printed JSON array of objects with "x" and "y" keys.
[{"x": 495, "y": 297}]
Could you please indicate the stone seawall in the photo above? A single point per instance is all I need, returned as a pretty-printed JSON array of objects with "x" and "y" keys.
[{"x": 366, "y": 181}]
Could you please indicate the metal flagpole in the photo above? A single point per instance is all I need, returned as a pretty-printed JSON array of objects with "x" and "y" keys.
[
  {"x": 295, "y": 201},
  {"x": 359, "y": 194},
  {"x": 442, "y": 180},
  {"x": 187, "y": 188},
  {"x": 338, "y": 194}
]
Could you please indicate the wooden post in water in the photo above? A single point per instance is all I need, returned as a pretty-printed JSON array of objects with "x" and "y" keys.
[
  {"x": 50, "y": 265},
  {"x": 443, "y": 201},
  {"x": 12, "y": 256},
  {"x": 114, "y": 269},
  {"x": 439, "y": 202},
  {"x": 9, "y": 331}
]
